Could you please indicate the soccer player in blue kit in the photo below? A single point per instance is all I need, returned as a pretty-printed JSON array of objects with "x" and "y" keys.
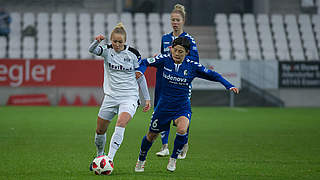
[
  {"x": 177, "y": 19},
  {"x": 174, "y": 103}
]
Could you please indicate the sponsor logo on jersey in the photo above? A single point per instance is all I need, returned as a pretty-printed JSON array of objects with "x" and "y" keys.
[
  {"x": 185, "y": 72},
  {"x": 126, "y": 59},
  {"x": 174, "y": 78},
  {"x": 119, "y": 67}
]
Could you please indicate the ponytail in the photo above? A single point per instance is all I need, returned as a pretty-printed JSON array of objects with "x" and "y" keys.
[
  {"x": 178, "y": 8},
  {"x": 119, "y": 28}
]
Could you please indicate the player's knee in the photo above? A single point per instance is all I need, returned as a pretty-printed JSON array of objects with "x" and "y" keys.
[
  {"x": 152, "y": 136},
  {"x": 182, "y": 130},
  {"x": 123, "y": 119}
]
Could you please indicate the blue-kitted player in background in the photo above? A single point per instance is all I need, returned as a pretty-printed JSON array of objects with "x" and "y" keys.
[
  {"x": 178, "y": 71},
  {"x": 177, "y": 20}
]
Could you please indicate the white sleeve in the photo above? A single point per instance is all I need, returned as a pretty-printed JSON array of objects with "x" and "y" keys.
[
  {"x": 136, "y": 63},
  {"x": 143, "y": 87},
  {"x": 95, "y": 49}
]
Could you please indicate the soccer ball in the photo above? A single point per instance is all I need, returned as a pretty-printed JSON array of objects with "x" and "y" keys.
[{"x": 102, "y": 165}]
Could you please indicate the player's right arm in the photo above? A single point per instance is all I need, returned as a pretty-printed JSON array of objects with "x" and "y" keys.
[{"x": 94, "y": 48}]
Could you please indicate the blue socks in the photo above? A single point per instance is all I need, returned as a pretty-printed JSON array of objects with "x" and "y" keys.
[
  {"x": 178, "y": 144},
  {"x": 165, "y": 136},
  {"x": 145, "y": 146}
]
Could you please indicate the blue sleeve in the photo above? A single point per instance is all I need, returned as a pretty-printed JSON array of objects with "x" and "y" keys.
[
  {"x": 204, "y": 73},
  {"x": 154, "y": 62}
]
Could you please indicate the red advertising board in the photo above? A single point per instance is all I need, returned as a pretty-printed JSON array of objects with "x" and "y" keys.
[
  {"x": 29, "y": 100},
  {"x": 66, "y": 73}
]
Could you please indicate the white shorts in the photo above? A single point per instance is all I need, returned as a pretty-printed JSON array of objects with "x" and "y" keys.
[{"x": 112, "y": 106}]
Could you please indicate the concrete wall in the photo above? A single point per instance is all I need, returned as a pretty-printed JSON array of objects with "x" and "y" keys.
[
  {"x": 298, "y": 97},
  {"x": 261, "y": 6}
]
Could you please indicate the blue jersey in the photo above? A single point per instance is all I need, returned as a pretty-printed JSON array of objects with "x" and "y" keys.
[
  {"x": 176, "y": 80},
  {"x": 166, "y": 42}
]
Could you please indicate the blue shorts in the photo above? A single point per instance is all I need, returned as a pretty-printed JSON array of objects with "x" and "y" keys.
[{"x": 161, "y": 121}]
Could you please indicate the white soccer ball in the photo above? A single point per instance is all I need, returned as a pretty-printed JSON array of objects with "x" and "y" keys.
[{"x": 102, "y": 165}]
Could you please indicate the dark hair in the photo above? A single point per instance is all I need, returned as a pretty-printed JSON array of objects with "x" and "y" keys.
[{"x": 182, "y": 41}]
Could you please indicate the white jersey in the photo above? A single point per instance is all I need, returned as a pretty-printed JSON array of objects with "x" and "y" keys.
[{"x": 119, "y": 71}]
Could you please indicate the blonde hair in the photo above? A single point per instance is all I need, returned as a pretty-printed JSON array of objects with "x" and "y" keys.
[
  {"x": 178, "y": 8},
  {"x": 119, "y": 28}
]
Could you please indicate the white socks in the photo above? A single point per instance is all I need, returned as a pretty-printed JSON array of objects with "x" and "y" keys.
[
  {"x": 115, "y": 141},
  {"x": 100, "y": 141}
]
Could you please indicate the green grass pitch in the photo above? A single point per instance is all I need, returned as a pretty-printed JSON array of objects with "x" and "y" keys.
[{"x": 225, "y": 143}]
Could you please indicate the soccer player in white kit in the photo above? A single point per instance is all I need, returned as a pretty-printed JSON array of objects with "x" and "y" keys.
[{"x": 120, "y": 88}]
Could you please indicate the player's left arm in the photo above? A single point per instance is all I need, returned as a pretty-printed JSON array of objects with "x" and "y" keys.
[
  {"x": 144, "y": 90},
  {"x": 204, "y": 73},
  {"x": 141, "y": 80}
]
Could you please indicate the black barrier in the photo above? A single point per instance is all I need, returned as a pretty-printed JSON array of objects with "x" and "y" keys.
[{"x": 299, "y": 74}]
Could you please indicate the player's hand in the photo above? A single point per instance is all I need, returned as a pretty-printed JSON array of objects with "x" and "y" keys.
[
  {"x": 138, "y": 74},
  {"x": 100, "y": 38},
  {"x": 147, "y": 106},
  {"x": 235, "y": 90},
  {"x": 156, "y": 54}
]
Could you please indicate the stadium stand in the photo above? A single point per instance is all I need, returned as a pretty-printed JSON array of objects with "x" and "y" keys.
[
  {"x": 28, "y": 47},
  {"x": 60, "y": 35},
  {"x": 14, "y": 50},
  {"x": 56, "y": 36},
  {"x": 67, "y": 35},
  {"x": 3, "y": 45},
  {"x": 43, "y": 38},
  {"x": 281, "y": 37}
]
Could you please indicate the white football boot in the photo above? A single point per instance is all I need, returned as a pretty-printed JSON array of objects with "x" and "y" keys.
[
  {"x": 164, "y": 151},
  {"x": 172, "y": 164},
  {"x": 184, "y": 152},
  {"x": 139, "y": 166}
]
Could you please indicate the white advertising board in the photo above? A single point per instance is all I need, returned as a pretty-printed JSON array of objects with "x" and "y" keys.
[{"x": 230, "y": 70}]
